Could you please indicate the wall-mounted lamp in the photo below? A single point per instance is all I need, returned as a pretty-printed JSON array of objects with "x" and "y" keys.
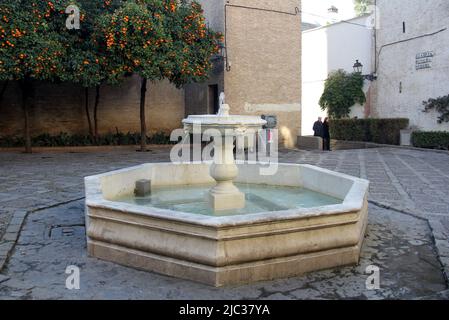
[
  {"x": 222, "y": 50},
  {"x": 358, "y": 68},
  {"x": 333, "y": 9},
  {"x": 223, "y": 55}
]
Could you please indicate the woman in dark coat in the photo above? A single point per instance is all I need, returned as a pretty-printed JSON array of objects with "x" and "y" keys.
[{"x": 326, "y": 136}]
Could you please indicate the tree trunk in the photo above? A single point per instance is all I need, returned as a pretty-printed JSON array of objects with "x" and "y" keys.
[
  {"x": 97, "y": 102},
  {"x": 143, "y": 124},
  {"x": 25, "y": 88},
  {"x": 2, "y": 92},
  {"x": 89, "y": 120}
]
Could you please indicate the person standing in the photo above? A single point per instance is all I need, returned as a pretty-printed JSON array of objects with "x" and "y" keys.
[
  {"x": 318, "y": 128},
  {"x": 326, "y": 135}
]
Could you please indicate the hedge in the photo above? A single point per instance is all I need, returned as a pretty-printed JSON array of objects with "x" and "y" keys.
[
  {"x": 431, "y": 139},
  {"x": 383, "y": 131},
  {"x": 76, "y": 140}
]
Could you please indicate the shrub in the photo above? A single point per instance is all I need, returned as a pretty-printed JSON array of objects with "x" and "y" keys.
[
  {"x": 342, "y": 90},
  {"x": 441, "y": 105},
  {"x": 431, "y": 139},
  {"x": 383, "y": 131},
  {"x": 78, "y": 140}
]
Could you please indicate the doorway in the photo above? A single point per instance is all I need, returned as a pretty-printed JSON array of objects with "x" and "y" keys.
[{"x": 212, "y": 100}]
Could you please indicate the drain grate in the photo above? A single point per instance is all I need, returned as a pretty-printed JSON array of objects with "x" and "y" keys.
[{"x": 67, "y": 231}]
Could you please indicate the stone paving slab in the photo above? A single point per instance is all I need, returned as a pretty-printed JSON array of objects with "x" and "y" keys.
[
  {"x": 400, "y": 245},
  {"x": 443, "y": 295}
]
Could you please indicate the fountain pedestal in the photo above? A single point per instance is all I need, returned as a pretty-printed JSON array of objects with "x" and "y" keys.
[
  {"x": 224, "y": 128},
  {"x": 225, "y": 195}
]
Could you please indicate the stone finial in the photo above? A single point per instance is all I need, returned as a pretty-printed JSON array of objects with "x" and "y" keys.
[{"x": 224, "y": 108}]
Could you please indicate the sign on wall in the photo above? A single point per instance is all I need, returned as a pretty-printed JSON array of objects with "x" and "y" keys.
[{"x": 424, "y": 60}]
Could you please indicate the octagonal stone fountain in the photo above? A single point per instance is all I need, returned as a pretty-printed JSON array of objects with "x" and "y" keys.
[{"x": 223, "y": 223}]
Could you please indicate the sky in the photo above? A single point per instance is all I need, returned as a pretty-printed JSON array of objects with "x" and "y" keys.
[{"x": 316, "y": 11}]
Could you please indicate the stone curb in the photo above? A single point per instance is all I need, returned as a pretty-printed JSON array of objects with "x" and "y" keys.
[
  {"x": 378, "y": 145},
  {"x": 11, "y": 235},
  {"x": 408, "y": 148},
  {"x": 439, "y": 237},
  {"x": 83, "y": 149},
  {"x": 3, "y": 278},
  {"x": 443, "y": 295}
]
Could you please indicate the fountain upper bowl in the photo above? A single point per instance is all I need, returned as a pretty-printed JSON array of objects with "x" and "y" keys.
[{"x": 231, "y": 121}]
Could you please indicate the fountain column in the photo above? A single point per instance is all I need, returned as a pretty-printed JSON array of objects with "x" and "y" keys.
[{"x": 225, "y": 195}]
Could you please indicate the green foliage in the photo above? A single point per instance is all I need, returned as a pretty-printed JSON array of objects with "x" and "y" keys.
[
  {"x": 30, "y": 46},
  {"x": 362, "y": 6},
  {"x": 159, "y": 39},
  {"x": 342, "y": 90},
  {"x": 134, "y": 34},
  {"x": 441, "y": 105},
  {"x": 153, "y": 38},
  {"x": 431, "y": 139},
  {"x": 87, "y": 61},
  {"x": 78, "y": 140},
  {"x": 192, "y": 44},
  {"x": 383, "y": 131}
]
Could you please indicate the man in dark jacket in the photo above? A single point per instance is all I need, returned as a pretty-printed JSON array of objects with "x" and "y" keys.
[
  {"x": 326, "y": 135},
  {"x": 318, "y": 128}
]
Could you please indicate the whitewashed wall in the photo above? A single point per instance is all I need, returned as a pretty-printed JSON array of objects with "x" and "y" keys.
[
  {"x": 401, "y": 88},
  {"x": 330, "y": 48}
]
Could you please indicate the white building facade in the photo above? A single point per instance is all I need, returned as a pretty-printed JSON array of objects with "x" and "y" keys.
[
  {"x": 329, "y": 48},
  {"x": 412, "y": 60}
]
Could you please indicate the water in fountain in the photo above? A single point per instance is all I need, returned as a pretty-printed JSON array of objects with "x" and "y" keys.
[{"x": 259, "y": 198}]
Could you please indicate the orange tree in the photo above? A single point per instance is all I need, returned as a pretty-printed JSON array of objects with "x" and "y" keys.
[
  {"x": 87, "y": 62},
  {"x": 159, "y": 39},
  {"x": 30, "y": 49}
]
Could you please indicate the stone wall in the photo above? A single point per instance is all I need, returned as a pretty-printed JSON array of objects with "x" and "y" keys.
[
  {"x": 401, "y": 88},
  {"x": 60, "y": 108}
]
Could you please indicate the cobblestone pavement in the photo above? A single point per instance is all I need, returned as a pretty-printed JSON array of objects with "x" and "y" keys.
[
  {"x": 399, "y": 244},
  {"x": 407, "y": 236}
]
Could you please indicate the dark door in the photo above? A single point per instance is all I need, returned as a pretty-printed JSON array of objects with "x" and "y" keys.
[{"x": 213, "y": 99}]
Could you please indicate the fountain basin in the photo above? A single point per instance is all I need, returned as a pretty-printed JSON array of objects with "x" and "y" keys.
[{"x": 226, "y": 250}]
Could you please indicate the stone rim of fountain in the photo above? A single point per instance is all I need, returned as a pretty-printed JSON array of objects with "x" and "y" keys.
[{"x": 352, "y": 202}]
